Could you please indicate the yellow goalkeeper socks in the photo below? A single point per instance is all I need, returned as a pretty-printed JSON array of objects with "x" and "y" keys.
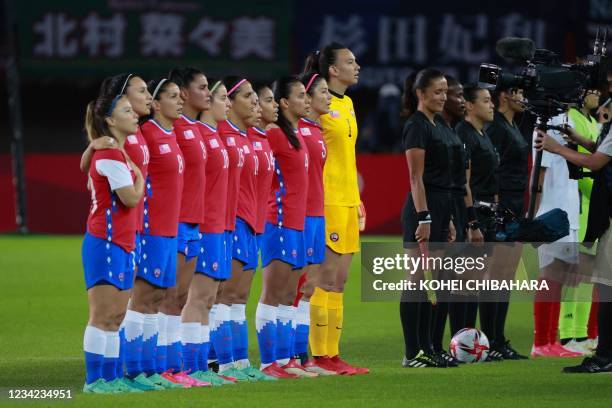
[
  {"x": 335, "y": 317},
  {"x": 318, "y": 323}
]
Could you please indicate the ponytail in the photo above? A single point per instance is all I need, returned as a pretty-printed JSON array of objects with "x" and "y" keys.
[
  {"x": 320, "y": 61},
  {"x": 282, "y": 89}
]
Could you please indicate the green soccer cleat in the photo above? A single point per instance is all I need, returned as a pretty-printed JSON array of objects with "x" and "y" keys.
[
  {"x": 160, "y": 381},
  {"x": 211, "y": 377},
  {"x": 121, "y": 386},
  {"x": 237, "y": 374},
  {"x": 256, "y": 375},
  {"x": 98, "y": 387},
  {"x": 142, "y": 383}
]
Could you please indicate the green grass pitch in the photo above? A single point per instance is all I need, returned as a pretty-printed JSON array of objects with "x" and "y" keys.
[{"x": 43, "y": 310}]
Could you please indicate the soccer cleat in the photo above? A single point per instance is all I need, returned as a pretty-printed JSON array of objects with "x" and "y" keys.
[
  {"x": 581, "y": 347},
  {"x": 163, "y": 382},
  {"x": 422, "y": 360},
  {"x": 447, "y": 358},
  {"x": 211, "y": 377},
  {"x": 184, "y": 378},
  {"x": 508, "y": 353},
  {"x": 98, "y": 387},
  {"x": 326, "y": 363},
  {"x": 592, "y": 343},
  {"x": 353, "y": 370},
  {"x": 540, "y": 351},
  {"x": 237, "y": 374},
  {"x": 494, "y": 355},
  {"x": 257, "y": 375},
  {"x": 559, "y": 351},
  {"x": 170, "y": 377},
  {"x": 591, "y": 365},
  {"x": 293, "y": 367},
  {"x": 121, "y": 386},
  {"x": 143, "y": 383},
  {"x": 313, "y": 367},
  {"x": 274, "y": 370}
]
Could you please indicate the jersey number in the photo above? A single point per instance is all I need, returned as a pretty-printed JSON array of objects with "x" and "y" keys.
[
  {"x": 180, "y": 163},
  {"x": 145, "y": 154},
  {"x": 323, "y": 151},
  {"x": 225, "y": 158}
]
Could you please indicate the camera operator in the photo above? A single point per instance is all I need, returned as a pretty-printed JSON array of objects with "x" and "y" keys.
[{"x": 598, "y": 228}]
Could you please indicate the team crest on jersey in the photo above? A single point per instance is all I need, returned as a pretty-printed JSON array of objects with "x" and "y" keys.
[
  {"x": 294, "y": 253},
  {"x": 132, "y": 139},
  {"x": 215, "y": 266},
  {"x": 334, "y": 237},
  {"x": 164, "y": 148},
  {"x": 305, "y": 131},
  {"x": 214, "y": 144},
  {"x": 157, "y": 272},
  {"x": 257, "y": 146},
  {"x": 188, "y": 134},
  {"x": 231, "y": 141},
  {"x": 334, "y": 114}
]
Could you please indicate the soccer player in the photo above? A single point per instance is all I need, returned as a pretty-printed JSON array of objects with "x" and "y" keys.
[
  {"x": 157, "y": 268},
  {"x": 426, "y": 213},
  {"x": 461, "y": 309},
  {"x": 344, "y": 211},
  {"x": 574, "y": 316},
  {"x": 194, "y": 93},
  {"x": 136, "y": 148},
  {"x": 116, "y": 186},
  {"x": 598, "y": 228},
  {"x": 314, "y": 228},
  {"x": 483, "y": 181},
  {"x": 210, "y": 265},
  {"x": 282, "y": 245},
  {"x": 233, "y": 134},
  {"x": 558, "y": 260},
  {"x": 512, "y": 176}
]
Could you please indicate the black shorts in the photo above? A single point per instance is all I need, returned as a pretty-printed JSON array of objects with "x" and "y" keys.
[
  {"x": 513, "y": 201},
  {"x": 439, "y": 204},
  {"x": 459, "y": 213}
]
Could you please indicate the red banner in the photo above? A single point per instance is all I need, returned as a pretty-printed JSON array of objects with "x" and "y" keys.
[{"x": 57, "y": 198}]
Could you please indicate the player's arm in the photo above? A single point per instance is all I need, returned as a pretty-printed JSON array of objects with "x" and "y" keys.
[
  {"x": 474, "y": 234},
  {"x": 120, "y": 180},
  {"x": 416, "y": 167},
  {"x": 100, "y": 143}
]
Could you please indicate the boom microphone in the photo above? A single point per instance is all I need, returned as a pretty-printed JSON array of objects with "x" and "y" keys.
[{"x": 515, "y": 48}]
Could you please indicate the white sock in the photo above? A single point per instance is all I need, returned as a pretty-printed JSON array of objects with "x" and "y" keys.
[
  {"x": 94, "y": 340},
  {"x": 222, "y": 314},
  {"x": 238, "y": 312},
  {"x": 212, "y": 315},
  {"x": 264, "y": 314},
  {"x": 112, "y": 344},
  {"x": 162, "y": 329},
  {"x": 174, "y": 329},
  {"x": 205, "y": 333},
  {"x": 302, "y": 315},
  {"x": 149, "y": 326},
  {"x": 133, "y": 325},
  {"x": 286, "y": 314},
  {"x": 191, "y": 333}
]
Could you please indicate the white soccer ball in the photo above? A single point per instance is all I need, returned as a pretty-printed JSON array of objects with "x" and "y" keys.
[{"x": 469, "y": 346}]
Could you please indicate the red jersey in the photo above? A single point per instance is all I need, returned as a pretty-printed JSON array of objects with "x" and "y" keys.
[
  {"x": 215, "y": 205},
  {"x": 287, "y": 206},
  {"x": 247, "y": 196},
  {"x": 164, "y": 183},
  {"x": 194, "y": 152},
  {"x": 136, "y": 148},
  {"x": 313, "y": 138},
  {"x": 261, "y": 147},
  {"x": 231, "y": 136},
  {"x": 108, "y": 218}
]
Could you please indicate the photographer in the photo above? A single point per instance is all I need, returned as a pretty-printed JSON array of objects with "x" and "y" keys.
[{"x": 598, "y": 228}]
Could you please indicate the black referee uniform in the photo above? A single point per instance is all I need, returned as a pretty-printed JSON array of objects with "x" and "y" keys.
[{"x": 416, "y": 309}]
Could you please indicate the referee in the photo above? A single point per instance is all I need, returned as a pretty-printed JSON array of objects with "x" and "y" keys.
[{"x": 427, "y": 212}]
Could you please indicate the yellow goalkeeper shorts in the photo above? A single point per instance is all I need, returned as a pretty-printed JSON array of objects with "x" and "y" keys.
[{"x": 342, "y": 229}]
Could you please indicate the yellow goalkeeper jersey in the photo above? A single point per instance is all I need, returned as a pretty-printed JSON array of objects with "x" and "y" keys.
[{"x": 340, "y": 171}]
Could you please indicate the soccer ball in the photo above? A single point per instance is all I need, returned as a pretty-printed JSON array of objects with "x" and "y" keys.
[{"x": 469, "y": 346}]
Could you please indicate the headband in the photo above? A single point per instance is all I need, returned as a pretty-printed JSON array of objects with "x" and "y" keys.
[
  {"x": 242, "y": 81},
  {"x": 125, "y": 84},
  {"x": 314, "y": 76},
  {"x": 215, "y": 86},
  {"x": 111, "y": 108},
  {"x": 158, "y": 87}
]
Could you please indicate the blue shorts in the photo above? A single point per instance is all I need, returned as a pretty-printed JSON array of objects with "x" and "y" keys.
[
  {"x": 229, "y": 244},
  {"x": 284, "y": 244},
  {"x": 211, "y": 260},
  {"x": 105, "y": 262},
  {"x": 254, "y": 263},
  {"x": 314, "y": 240},
  {"x": 158, "y": 263},
  {"x": 188, "y": 240},
  {"x": 244, "y": 248},
  {"x": 137, "y": 249}
]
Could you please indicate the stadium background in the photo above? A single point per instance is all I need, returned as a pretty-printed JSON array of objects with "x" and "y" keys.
[{"x": 64, "y": 48}]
